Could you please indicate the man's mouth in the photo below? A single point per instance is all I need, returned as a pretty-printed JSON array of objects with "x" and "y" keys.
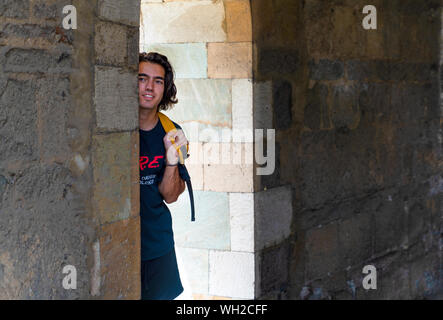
[{"x": 148, "y": 96}]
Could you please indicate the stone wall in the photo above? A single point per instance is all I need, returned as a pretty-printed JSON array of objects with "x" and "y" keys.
[
  {"x": 69, "y": 150},
  {"x": 358, "y": 140}
]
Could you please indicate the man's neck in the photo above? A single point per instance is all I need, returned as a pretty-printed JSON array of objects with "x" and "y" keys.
[{"x": 147, "y": 119}]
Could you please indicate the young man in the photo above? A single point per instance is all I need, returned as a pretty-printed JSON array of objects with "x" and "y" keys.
[{"x": 160, "y": 179}]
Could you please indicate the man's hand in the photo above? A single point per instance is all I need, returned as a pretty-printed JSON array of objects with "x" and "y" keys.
[{"x": 171, "y": 147}]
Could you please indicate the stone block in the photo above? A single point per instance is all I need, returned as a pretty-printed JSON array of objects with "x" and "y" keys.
[
  {"x": 112, "y": 176},
  {"x": 355, "y": 239},
  {"x": 211, "y": 226},
  {"x": 277, "y": 61},
  {"x": 127, "y": 12},
  {"x": 273, "y": 214},
  {"x": 242, "y": 120},
  {"x": 14, "y": 9},
  {"x": 36, "y": 60},
  {"x": 325, "y": 70},
  {"x": 206, "y": 101},
  {"x": 274, "y": 271},
  {"x": 183, "y": 22},
  {"x": 389, "y": 226},
  {"x": 238, "y": 20},
  {"x": 196, "y": 173},
  {"x": 135, "y": 174},
  {"x": 282, "y": 106},
  {"x": 116, "y": 99},
  {"x": 263, "y": 112},
  {"x": 45, "y": 10},
  {"x": 241, "y": 209},
  {"x": 228, "y": 178},
  {"x": 227, "y": 154},
  {"x": 230, "y": 60},
  {"x": 322, "y": 250},
  {"x": 110, "y": 39},
  {"x": 316, "y": 113},
  {"x": 189, "y": 60},
  {"x": 17, "y": 143},
  {"x": 345, "y": 113},
  {"x": 53, "y": 99},
  {"x": 120, "y": 260},
  {"x": 194, "y": 268},
  {"x": 239, "y": 266}
]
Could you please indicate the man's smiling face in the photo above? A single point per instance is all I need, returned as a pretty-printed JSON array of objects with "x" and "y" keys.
[{"x": 151, "y": 85}]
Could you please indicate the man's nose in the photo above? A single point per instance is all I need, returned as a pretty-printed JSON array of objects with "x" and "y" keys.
[{"x": 149, "y": 84}]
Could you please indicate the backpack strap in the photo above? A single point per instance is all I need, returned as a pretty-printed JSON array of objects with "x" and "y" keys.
[{"x": 168, "y": 125}]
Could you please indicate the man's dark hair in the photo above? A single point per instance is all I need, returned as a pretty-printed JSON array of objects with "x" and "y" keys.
[{"x": 169, "y": 98}]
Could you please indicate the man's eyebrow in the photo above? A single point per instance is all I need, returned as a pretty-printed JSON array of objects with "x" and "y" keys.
[{"x": 145, "y": 75}]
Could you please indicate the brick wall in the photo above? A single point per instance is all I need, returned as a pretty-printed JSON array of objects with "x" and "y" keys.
[{"x": 69, "y": 150}]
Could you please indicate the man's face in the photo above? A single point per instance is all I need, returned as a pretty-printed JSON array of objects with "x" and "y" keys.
[{"x": 151, "y": 85}]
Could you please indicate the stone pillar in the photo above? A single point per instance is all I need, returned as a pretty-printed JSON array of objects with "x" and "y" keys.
[{"x": 69, "y": 150}]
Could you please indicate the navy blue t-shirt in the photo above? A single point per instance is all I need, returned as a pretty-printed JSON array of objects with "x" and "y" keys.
[{"x": 157, "y": 238}]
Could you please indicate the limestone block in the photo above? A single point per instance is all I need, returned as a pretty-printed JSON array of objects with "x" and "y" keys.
[
  {"x": 112, "y": 176},
  {"x": 228, "y": 178},
  {"x": 189, "y": 60},
  {"x": 194, "y": 269},
  {"x": 116, "y": 99},
  {"x": 211, "y": 228},
  {"x": 231, "y": 274},
  {"x": 241, "y": 209},
  {"x": 227, "y": 154},
  {"x": 273, "y": 211},
  {"x": 181, "y": 22},
  {"x": 242, "y": 121},
  {"x": 230, "y": 60},
  {"x": 238, "y": 20},
  {"x": 206, "y": 101}
]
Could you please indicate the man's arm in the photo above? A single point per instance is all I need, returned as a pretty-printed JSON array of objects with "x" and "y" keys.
[{"x": 172, "y": 185}]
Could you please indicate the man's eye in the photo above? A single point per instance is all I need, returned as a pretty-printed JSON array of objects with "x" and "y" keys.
[
  {"x": 141, "y": 79},
  {"x": 159, "y": 82}
]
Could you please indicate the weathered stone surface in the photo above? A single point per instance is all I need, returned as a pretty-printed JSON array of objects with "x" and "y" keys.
[
  {"x": 112, "y": 162},
  {"x": 115, "y": 99},
  {"x": 122, "y": 12},
  {"x": 120, "y": 260},
  {"x": 32, "y": 60},
  {"x": 322, "y": 250},
  {"x": 18, "y": 143},
  {"x": 110, "y": 39},
  {"x": 15, "y": 9},
  {"x": 282, "y": 107},
  {"x": 273, "y": 214}
]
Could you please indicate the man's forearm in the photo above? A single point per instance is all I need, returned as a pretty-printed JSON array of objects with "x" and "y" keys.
[{"x": 171, "y": 185}]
